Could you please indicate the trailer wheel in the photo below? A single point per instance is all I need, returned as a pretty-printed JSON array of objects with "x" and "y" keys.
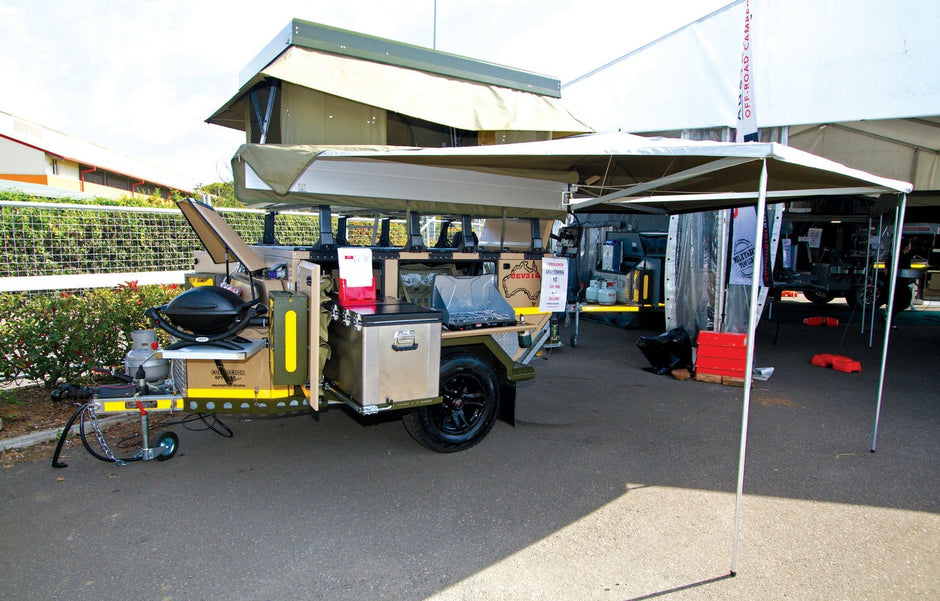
[
  {"x": 869, "y": 296},
  {"x": 170, "y": 443},
  {"x": 470, "y": 391},
  {"x": 818, "y": 297}
]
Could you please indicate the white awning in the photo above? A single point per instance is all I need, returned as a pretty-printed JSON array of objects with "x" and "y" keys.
[{"x": 613, "y": 172}]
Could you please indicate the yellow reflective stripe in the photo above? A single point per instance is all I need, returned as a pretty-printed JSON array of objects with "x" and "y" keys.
[
  {"x": 130, "y": 404},
  {"x": 290, "y": 341},
  {"x": 914, "y": 265},
  {"x": 240, "y": 393}
]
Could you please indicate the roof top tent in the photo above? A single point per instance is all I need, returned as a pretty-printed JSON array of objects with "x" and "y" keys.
[
  {"x": 318, "y": 85},
  {"x": 314, "y": 84}
]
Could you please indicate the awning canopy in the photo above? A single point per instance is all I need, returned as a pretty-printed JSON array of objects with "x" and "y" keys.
[
  {"x": 280, "y": 177},
  {"x": 595, "y": 172},
  {"x": 466, "y": 105}
]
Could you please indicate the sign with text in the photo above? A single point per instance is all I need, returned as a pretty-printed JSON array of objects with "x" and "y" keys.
[
  {"x": 742, "y": 245},
  {"x": 747, "y": 115},
  {"x": 355, "y": 266},
  {"x": 814, "y": 237},
  {"x": 554, "y": 293}
]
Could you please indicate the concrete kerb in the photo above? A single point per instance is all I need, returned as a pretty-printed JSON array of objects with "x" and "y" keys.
[
  {"x": 41, "y": 436},
  {"x": 34, "y": 438}
]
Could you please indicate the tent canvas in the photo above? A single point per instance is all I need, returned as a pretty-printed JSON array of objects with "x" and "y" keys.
[
  {"x": 455, "y": 91},
  {"x": 854, "y": 80},
  {"x": 635, "y": 174},
  {"x": 599, "y": 172}
]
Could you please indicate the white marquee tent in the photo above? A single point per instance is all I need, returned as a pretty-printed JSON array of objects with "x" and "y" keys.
[{"x": 856, "y": 81}]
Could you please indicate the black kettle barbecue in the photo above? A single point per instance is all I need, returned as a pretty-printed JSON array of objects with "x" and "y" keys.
[{"x": 206, "y": 315}]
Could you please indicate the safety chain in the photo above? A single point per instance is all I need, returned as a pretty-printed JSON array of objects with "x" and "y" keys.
[{"x": 90, "y": 409}]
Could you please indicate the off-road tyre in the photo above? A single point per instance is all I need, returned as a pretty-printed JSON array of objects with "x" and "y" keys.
[
  {"x": 818, "y": 297},
  {"x": 470, "y": 390}
]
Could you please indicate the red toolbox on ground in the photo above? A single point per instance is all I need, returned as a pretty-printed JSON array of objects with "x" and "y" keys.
[{"x": 721, "y": 354}]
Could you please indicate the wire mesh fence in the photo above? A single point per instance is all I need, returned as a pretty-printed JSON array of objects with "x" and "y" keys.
[
  {"x": 42, "y": 240},
  {"x": 48, "y": 246}
]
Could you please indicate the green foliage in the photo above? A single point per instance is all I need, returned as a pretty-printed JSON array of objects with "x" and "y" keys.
[
  {"x": 62, "y": 337},
  {"x": 222, "y": 193},
  {"x": 125, "y": 201}
]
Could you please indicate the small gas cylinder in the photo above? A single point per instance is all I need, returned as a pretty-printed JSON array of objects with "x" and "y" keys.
[
  {"x": 607, "y": 295},
  {"x": 143, "y": 346},
  {"x": 590, "y": 295}
]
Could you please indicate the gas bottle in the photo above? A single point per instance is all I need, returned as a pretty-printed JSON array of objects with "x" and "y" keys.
[
  {"x": 590, "y": 295},
  {"x": 143, "y": 347},
  {"x": 607, "y": 295}
]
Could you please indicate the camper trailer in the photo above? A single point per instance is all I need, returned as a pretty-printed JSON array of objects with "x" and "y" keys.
[{"x": 440, "y": 333}]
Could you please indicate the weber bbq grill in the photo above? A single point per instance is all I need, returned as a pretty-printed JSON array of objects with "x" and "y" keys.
[{"x": 205, "y": 315}]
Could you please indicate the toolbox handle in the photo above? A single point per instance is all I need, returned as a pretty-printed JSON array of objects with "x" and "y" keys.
[{"x": 405, "y": 340}]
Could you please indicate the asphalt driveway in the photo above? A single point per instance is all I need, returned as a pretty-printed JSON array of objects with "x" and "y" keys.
[{"x": 614, "y": 484}]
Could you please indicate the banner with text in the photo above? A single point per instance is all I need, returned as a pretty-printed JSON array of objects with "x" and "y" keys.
[
  {"x": 742, "y": 245},
  {"x": 747, "y": 115},
  {"x": 554, "y": 295}
]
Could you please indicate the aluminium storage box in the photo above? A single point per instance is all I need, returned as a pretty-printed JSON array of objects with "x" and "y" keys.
[{"x": 385, "y": 352}]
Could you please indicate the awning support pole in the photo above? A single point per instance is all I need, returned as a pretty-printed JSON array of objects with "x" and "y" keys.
[
  {"x": 263, "y": 122},
  {"x": 724, "y": 224},
  {"x": 756, "y": 280},
  {"x": 896, "y": 253},
  {"x": 867, "y": 271},
  {"x": 875, "y": 271}
]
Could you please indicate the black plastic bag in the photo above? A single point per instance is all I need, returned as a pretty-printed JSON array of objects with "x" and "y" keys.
[{"x": 668, "y": 351}]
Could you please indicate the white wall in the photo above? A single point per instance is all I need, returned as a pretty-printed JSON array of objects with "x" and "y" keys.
[{"x": 18, "y": 159}]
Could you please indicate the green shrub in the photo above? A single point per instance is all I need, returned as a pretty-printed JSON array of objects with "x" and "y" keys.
[{"x": 61, "y": 337}]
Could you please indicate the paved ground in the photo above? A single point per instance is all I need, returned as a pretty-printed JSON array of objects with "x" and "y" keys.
[{"x": 615, "y": 484}]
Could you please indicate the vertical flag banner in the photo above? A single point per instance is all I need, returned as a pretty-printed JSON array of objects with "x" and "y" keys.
[
  {"x": 747, "y": 115},
  {"x": 789, "y": 258},
  {"x": 742, "y": 245}
]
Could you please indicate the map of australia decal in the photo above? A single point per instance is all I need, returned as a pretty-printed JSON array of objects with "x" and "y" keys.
[{"x": 519, "y": 280}]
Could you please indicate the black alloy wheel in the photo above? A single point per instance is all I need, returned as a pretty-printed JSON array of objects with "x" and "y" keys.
[{"x": 470, "y": 391}]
